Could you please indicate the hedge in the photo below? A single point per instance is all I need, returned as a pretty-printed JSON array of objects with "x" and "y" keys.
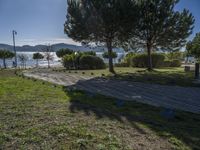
[
  {"x": 141, "y": 60},
  {"x": 91, "y": 62},
  {"x": 68, "y": 61},
  {"x": 175, "y": 63}
]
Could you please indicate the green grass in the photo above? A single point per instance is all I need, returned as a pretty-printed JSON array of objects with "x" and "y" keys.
[
  {"x": 164, "y": 76},
  {"x": 38, "y": 115},
  {"x": 183, "y": 131}
]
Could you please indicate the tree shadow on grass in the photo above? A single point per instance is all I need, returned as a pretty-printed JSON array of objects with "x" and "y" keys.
[
  {"x": 184, "y": 126},
  {"x": 158, "y": 77}
]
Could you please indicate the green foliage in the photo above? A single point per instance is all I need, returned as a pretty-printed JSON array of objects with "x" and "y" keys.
[
  {"x": 175, "y": 63},
  {"x": 105, "y": 21},
  {"x": 68, "y": 61},
  {"x": 128, "y": 58},
  {"x": 172, "y": 63},
  {"x": 62, "y": 52},
  {"x": 38, "y": 56},
  {"x": 193, "y": 47},
  {"x": 106, "y": 55},
  {"x": 92, "y": 53},
  {"x": 74, "y": 61},
  {"x": 6, "y": 54},
  {"x": 123, "y": 64},
  {"x": 167, "y": 63},
  {"x": 175, "y": 55},
  {"x": 141, "y": 60},
  {"x": 91, "y": 62},
  {"x": 161, "y": 27}
]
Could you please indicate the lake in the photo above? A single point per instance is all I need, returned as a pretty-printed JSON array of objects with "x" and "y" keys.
[{"x": 56, "y": 61}]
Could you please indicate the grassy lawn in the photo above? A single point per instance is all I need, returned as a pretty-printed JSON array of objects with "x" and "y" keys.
[
  {"x": 38, "y": 115},
  {"x": 164, "y": 76}
]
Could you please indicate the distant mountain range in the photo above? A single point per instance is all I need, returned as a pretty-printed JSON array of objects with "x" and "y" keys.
[{"x": 55, "y": 47}]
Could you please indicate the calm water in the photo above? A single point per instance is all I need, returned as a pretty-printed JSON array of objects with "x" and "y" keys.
[
  {"x": 55, "y": 62},
  {"x": 32, "y": 63}
]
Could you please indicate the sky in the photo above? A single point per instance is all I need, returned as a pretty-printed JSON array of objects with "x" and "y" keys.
[{"x": 41, "y": 21}]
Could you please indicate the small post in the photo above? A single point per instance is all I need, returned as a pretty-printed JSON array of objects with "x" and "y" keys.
[{"x": 196, "y": 70}]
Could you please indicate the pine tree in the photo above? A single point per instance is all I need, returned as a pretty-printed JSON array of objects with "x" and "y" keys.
[
  {"x": 6, "y": 54},
  {"x": 161, "y": 27},
  {"x": 101, "y": 21}
]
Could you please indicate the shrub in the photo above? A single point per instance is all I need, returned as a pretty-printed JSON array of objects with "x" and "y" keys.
[
  {"x": 175, "y": 63},
  {"x": 62, "y": 52},
  {"x": 167, "y": 63},
  {"x": 157, "y": 60},
  {"x": 68, "y": 61},
  {"x": 113, "y": 54},
  {"x": 128, "y": 58},
  {"x": 91, "y": 62},
  {"x": 92, "y": 53},
  {"x": 122, "y": 65},
  {"x": 141, "y": 60}
]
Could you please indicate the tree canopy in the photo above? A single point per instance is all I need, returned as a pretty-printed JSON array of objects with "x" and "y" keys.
[
  {"x": 141, "y": 25},
  {"x": 161, "y": 27},
  {"x": 62, "y": 52},
  {"x": 38, "y": 56},
  {"x": 6, "y": 54},
  {"x": 105, "y": 21}
]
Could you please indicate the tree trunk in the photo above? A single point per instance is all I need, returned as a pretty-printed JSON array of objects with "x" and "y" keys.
[
  {"x": 197, "y": 71},
  {"x": 109, "y": 46},
  {"x": 150, "y": 66},
  {"x": 4, "y": 63}
]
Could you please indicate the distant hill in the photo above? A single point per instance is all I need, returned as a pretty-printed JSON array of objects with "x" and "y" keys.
[{"x": 55, "y": 47}]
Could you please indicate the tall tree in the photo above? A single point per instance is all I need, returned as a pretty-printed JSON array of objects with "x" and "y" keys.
[
  {"x": 37, "y": 57},
  {"x": 161, "y": 27},
  {"x": 101, "y": 21},
  {"x": 193, "y": 48},
  {"x": 5, "y": 54}
]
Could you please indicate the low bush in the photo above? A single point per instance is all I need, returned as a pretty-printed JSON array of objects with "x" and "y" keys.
[
  {"x": 172, "y": 63},
  {"x": 128, "y": 58},
  {"x": 167, "y": 63},
  {"x": 89, "y": 53},
  {"x": 68, "y": 61},
  {"x": 175, "y": 63},
  {"x": 91, "y": 62},
  {"x": 141, "y": 60},
  {"x": 122, "y": 65}
]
